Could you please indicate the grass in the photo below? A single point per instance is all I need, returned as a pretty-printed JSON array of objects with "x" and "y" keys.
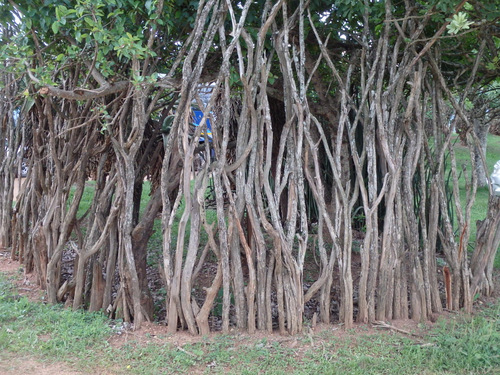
[
  {"x": 460, "y": 345},
  {"x": 48, "y": 330},
  {"x": 87, "y": 197}
]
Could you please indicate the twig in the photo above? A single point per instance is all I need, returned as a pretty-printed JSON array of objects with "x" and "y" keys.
[
  {"x": 188, "y": 353},
  {"x": 380, "y": 324}
]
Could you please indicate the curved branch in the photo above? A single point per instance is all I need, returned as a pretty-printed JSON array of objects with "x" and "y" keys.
[
  {"x": 79, "y": 93},
  {"x": 84, "y": 94}
]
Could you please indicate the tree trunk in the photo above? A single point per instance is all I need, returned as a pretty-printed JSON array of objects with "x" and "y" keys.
[
  {"x": 487, "y": 244},
  {"x": 481, "y": 128}
]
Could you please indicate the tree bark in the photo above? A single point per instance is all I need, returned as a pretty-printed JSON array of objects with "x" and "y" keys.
[{"x": 487, "y": 244}]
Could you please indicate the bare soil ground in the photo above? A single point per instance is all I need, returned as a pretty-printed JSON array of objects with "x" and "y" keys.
[
  {"x": 12, "y": 364},
  {"x": 26, "y": 284}
]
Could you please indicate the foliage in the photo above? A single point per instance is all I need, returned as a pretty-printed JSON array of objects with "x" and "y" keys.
[
  {"x": 458, "y": 23},
  {"x": 106, "y": 33}
]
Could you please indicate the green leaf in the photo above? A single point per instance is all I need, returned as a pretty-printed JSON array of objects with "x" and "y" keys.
[
  {"x": 491, "y": 66},
  {"x": 89, "y": 21},
  {"x": 458, "y": 23},
  {"x": 98, "y": 36},
  {"x": 61, "y": 11},
  {"x": 55, "y": 27},
  {"x": 468, "y": 7}
]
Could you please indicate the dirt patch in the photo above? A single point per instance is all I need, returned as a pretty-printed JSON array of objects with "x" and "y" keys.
[
  {"x": 26, "y": 284},
  {"x": 151, "y": 333},
  {"x": 13, "y": 364}
]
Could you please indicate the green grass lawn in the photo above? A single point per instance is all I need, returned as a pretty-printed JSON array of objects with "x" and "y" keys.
[{"x": 81, "y": 340}]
